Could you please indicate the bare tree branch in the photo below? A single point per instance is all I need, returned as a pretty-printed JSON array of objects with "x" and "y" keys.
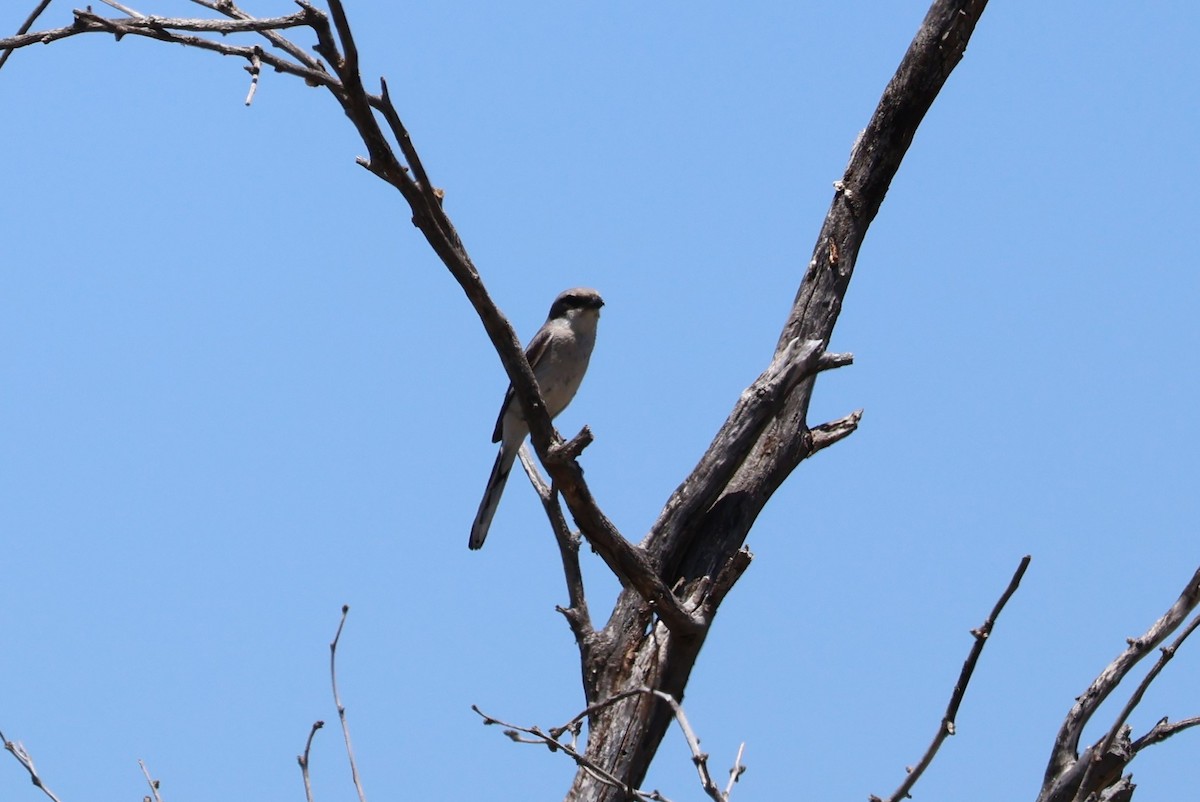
[
  {"x": 123, "y": 9},
  {"x": 425, "y": 201},
  {"x": 341, "y": 709},
  {"x": 227, "y": 8},
  {"x": 576, "y": 611},
  {"x": 551, "y": 738},
  {"x": 1166, "y": 653},
  {"x": 569, "y": 749},
  {"x": 25, "y": 26},
  {"x": 826, "y": 434},
  {"x": 17, "y": 750},
  {"x": 737, "y": 771},
  {"x": 631, "y": 564},
  {"x": 255, "y": 69},
  {"x": 303, "y": 760},
  {"x": 162, "y": 29},
  {"x": 150, "y": 781},
  {"x": 699, "y": 758},
  {"x": 1163, "y": 730},
  {"x": 935, "y": 50},
  {"x": 947, "y": 727},
  {"x": 1067, "y": 770},
  {"x": 758, "y": 404},
  {"x": 1106, "y": 762}
]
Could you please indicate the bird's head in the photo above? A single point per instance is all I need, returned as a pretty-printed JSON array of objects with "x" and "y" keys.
[{"x": 572, "y": 303}]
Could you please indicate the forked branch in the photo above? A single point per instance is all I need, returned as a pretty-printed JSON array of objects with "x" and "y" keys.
[
  {"x": 17, "y": 750},
  {"x": 1069, "y": 775},
  {"x": 552, "y": 738},
  {"x": 343, "y": 79}
]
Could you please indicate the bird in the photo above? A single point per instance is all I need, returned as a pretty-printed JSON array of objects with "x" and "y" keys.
[{"x": 559, "y": 354}]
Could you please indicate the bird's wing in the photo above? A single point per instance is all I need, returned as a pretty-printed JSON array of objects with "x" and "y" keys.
[{"x": 535, "y": 351}]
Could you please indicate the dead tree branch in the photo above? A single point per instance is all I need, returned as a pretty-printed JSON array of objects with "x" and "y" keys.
[
  {"x": 336, "y": 45},
  {"x": 576, "y": 611},
  {"x": 303, "y": 760},
  {"x": 1165, "y": 655},
  {"x": 25, "y": 26},
  {"x": 552, "y": 739},
  {"x": 341, "y": 709},
  {"x": 17, "y": 750},
  {"x": 153, "y": 783},
  {"x": 1069, "y": 775},
  {"x": 1163, "y": 730},
  {"x": 947, "y": 726}
]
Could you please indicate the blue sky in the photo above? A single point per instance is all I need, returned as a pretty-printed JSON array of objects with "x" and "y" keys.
[{"x": 240, "y": 391}]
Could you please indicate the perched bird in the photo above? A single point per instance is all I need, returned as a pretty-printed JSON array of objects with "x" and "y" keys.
[{"x": 559, "y": 355}]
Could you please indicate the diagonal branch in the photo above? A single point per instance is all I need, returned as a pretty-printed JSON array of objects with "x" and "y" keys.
[
  {"x": 304, "y": 758},
  {"x": 164, "y": 29},
  {"x": 552, "y": 739},
  {"x": 631, "y": 564},
  {"x": 227, "y": 8},
  {"x": 150, "y": 781},
  {"x": 25, "y": 26},
  {"x": 576, "y": 612},
  {"x": 412, "y": 181},
  {"x": 537, "y": 736},
  {"x": 341, "y": 708},
  {"x": 1100, "y": 754},
  {"x": 755, "y": 408},
  {"x": 947, "y": 726},
  {"x": 17, "y": 750},
  {"x": 1163, "y": 730},
  {"x": 698, "y": 546},
  {"x": 1065, "y": 770}
]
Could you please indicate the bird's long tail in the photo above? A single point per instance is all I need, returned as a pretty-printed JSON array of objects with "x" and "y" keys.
[{"x": 491, "y": 496}]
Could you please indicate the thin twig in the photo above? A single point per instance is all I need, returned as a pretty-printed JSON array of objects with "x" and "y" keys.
[
  {"x": 946, "y": 728},
  {"x": 699, "y": 758},
  {"x": 1163, "y": 730},
  {"x": 576, "y": 611},
  {"x": 1167, "y": 652},
  {"x": 254, "y": 69},
  {"x": 383, "y": 102},
  {"x": 354, "y": 98},
  {"x": 593, "y": 709},
  {"x": 152, "y": 782},
  {"x": 539, "y": 737},
  {"x": 552, "y": 740},
  {"x": 230, "y": 10},
  {"x": 17, "y": 749},
  {"x": 737, "y": 771},
  {"x": 123, "y": 9},
  {"x": 341, "y": 710},
  {"x": 303, "y": 760},
  {"x": 163, "y": 30},
  {"x": 25, "y": 26}
]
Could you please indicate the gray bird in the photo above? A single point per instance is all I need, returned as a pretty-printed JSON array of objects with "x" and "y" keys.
[{"x": 559, "y": 355}]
